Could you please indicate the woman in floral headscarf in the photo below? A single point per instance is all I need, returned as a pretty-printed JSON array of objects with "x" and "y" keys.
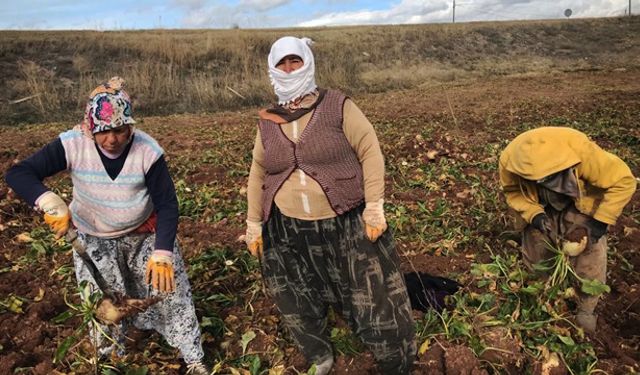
[
  {"x": 315, "y": 201},
  {"x": 125, "y": 210}
]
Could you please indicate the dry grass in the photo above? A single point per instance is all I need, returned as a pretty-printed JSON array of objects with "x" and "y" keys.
[{"x": 172, "y": 71}]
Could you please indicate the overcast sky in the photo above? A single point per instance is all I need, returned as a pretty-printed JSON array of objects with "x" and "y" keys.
[{"x": 150, "y": 14}]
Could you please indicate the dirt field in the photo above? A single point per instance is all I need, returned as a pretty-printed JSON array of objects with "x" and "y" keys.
[{"x": 441, "y": 145}]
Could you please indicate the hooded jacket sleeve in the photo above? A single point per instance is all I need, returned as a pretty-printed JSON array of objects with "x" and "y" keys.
[
  {"x": 608, "y": 172},
  {"x": 518, "y": 197}
]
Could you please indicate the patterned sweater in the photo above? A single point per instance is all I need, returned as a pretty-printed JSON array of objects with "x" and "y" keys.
[
  {"x": 26, "y": 179},
  {"x": 102, "y": 206}
]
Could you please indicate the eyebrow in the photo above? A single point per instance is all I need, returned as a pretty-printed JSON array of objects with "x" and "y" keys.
[{"x": 289, "y": 57}]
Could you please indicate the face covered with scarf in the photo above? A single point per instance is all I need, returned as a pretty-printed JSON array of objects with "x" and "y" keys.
[
  {"x": 108, "y": 117},
  {"x": 297, "y": 83}
]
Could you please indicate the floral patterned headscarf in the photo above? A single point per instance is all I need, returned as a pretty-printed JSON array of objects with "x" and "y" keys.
[{"x": 109, "y": 107}]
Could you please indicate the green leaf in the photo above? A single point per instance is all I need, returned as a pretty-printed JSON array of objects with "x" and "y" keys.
[
  {"x": 138, "y": 371},
  {"x": 61, "y": 318},
  {"x": 246, "y": 339},
  {"x": 486, "y": 270},
  {"x": 567, "y": 340},
  {"x": 594, "y": 287},
  {"x": 483, "y": 283},
  {"x": 255, "y": 365},
  {"x": 515, "y": 276},
  {"x": 85, "y": 290},
  {"x": 39, "y": 248},
  {"x": 555, "y": 347},
  {"x": 64, "y": 348},
  {"x": 312, "y": 369},
  {"x": 541, "y": 267},
  {"x": 459, "y": 328},
  {"x": 487, "y": 299},
  {"x": 533, "y": 289}
]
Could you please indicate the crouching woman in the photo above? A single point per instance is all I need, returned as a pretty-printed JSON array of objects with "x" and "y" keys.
[{"x": 568, "y": 190}]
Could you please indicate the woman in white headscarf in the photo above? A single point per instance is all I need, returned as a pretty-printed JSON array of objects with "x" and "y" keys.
[{"x": 315, "y": 204}]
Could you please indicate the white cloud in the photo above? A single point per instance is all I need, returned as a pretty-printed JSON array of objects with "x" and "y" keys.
[
  {"x": 415, "y": 11},
  {"x": 188, "y": 4},
  {"x": 261, "y": 5},
  {"x": 407, "y": 11},
  {"x": 244, "y": 13}
]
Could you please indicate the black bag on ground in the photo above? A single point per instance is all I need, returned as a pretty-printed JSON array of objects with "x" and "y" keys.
[{"x": 428, "y": 292}]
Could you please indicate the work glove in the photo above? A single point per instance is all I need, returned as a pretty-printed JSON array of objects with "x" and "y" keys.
[
  {"x": 374, "y": 222},
  {"x": 56, "y": 213},
  {"x": 542, "y": 222},
  {"x": 597, "y": 229},
  {"x": 253, "y": 238},
  {"x": 160, "y": 271}
]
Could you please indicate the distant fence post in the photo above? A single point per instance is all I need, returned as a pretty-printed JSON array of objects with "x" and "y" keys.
[{"x": 454, "y": 11}]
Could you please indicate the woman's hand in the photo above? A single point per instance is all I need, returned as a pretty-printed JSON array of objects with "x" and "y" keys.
[
  {"x": 253, "y": 238},
  {"x": 160, "y": 271},
  {"x": 56, "y": 213},
  {"x": 374, "y": 222}
]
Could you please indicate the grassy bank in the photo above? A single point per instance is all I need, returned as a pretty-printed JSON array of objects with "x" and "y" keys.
[{"x": 177, "y": 71}]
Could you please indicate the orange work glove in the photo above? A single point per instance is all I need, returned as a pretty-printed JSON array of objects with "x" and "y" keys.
[
  {"x": 160, "y": 271},
  {"x": 374, "y": 222},
  {"x": 253, "y": 238},
  {"x": 56, "y": 213}
]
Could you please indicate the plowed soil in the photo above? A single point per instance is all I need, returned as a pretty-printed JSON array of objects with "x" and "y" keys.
[{"x": 464, "y": 122}]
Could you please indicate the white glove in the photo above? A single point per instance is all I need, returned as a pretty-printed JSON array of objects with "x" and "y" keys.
[
  {"x": 253, "y": 238},
  {"x": 374, "y": 222},
  {"x": 56, "y": 212}
]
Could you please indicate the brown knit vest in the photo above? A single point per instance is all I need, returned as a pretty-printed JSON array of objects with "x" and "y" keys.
[{"x": 322, "y": 152}]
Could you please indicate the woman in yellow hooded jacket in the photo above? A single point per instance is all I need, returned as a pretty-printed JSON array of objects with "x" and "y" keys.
[{"x": 565, "y": 186}]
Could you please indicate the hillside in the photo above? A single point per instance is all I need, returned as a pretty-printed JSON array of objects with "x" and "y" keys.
[{"x": 195, "y": 71}]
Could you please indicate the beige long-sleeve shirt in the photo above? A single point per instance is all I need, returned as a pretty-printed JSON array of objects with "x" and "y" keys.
[{"x": 300, "y": 196}]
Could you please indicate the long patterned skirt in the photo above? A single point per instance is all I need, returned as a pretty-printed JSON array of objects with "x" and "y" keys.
[
  {"x": 311, "y": 265},
  {"x": 122, "y": 263}
]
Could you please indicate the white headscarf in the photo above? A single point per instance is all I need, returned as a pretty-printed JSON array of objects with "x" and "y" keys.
[{"x": 291, "y": 86}]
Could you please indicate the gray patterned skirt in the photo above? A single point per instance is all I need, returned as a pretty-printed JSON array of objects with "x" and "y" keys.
[
  {"x": 311, "y": 265},
  {"x": 122, "y": 263}
]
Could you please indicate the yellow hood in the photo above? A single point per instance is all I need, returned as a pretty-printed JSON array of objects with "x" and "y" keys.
[{"x": 540, "y": 152}]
